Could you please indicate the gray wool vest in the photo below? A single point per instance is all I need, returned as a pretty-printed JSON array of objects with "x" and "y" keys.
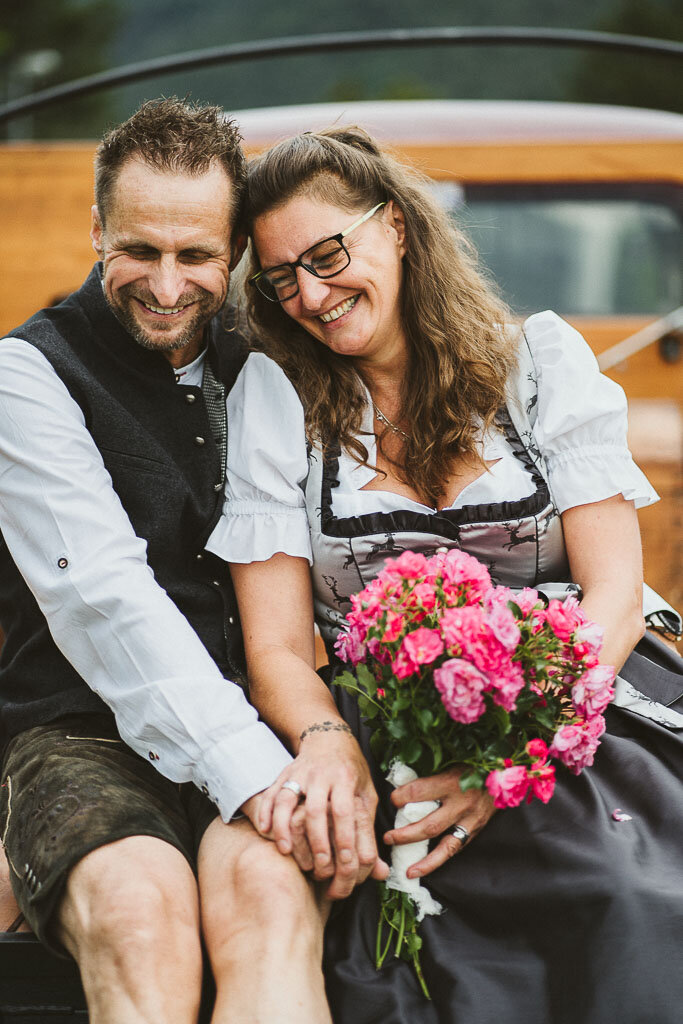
[{"x": 164, "y": 447}]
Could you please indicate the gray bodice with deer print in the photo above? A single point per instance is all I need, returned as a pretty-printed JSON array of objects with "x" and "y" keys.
[{"x": 520, "y": 541}]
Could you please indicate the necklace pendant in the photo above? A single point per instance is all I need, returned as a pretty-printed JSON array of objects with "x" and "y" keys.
[{"x": 387, "y": 423}]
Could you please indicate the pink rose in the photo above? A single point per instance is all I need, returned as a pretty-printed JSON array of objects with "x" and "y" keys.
[
  {"x": 575, "y": 744},
  {"x": 461, "y": 571},
  {"x": 593, "y": 690},
  {"x": 562, "y": 617},
  {"x": 379, "y": 653},
  {"x": 409, "y": 565},
  {"x": 425, "y": 595},
  {"x": 503, "y": 625},
  {"x": 498, "y": 597},
  {"x": 423, "y": 646},
  {"x": 537, "y": 750},
  {"x": 461, "y": 686},
  {"x": 508, "y": 786},
  {"x": 506, "y": 683},
  {"x": 526, "y": 600},
  {"x": 588, "y": 639},
  {"x": 462, "y": 628},
  {"x": 403, "y": 665},
  {"x": 350, "y": 646},
  {"x": 393, "y": 629},
  {"x": 542, "y": 780}
]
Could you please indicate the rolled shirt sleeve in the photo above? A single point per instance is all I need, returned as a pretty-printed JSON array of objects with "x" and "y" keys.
[
  {"x": 267, "y": 465},
  {"x": 75, "y": 547},
  {"x": 581, "y": 425}
]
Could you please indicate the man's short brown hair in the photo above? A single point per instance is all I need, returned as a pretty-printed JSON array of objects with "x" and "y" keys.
[{"x": 173, "y": 135}]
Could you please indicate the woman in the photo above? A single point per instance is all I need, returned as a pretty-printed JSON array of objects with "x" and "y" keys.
[{"x": 409, "y": 417}]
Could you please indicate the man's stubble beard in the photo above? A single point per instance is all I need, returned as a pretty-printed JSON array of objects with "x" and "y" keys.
[{"x": 207, "y": 307}]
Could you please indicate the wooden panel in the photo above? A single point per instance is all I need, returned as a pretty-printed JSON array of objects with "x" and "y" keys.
[
  {"x": 45, "y": 199},
  {"x": 553, "y": 162}
]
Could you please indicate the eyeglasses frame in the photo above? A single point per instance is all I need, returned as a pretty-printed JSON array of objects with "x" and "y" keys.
[{"x": 339, "y": 237}]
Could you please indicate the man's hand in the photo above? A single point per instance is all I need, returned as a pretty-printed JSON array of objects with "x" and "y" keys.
[
  {"x": 471, "y": 809},
  {"x": 334, "y": 813}
]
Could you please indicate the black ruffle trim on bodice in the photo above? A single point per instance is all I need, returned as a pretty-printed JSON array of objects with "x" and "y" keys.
[{"x": 446, "y": 523}]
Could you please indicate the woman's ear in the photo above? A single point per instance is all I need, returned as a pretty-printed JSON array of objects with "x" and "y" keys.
[{"x": 397, "y": 221}]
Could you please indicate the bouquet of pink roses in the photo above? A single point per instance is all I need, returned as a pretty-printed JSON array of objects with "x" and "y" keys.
[{"x": 449, "y": 669}]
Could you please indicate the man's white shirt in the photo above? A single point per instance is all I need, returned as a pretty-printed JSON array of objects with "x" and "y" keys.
[{"x": 74, "y": 545}]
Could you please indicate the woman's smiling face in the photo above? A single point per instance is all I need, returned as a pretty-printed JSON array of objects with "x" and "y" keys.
[{"x": 358, "y": 311}]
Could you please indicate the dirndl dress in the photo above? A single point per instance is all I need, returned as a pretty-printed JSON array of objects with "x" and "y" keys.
[{"x": 565, "y": 913}]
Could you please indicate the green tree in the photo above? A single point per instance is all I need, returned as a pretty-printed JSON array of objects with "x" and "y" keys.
[
  {"x": 634, "y": 81},
  {"x": 44, "y": 42}
]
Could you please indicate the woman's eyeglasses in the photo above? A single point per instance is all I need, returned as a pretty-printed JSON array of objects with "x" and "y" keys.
[{"x": 324, "y": 259}]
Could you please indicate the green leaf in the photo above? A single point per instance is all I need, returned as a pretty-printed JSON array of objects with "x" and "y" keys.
[
  {"x": 425, "y": 718},
  {"x": 516, "y": 610},
  {"x": 411, "y": 751},
  {"x": 502, "y": 719},
  {"x": 345, "y": 679},
  {"x": 545, "y": 717},
  {"x": 471, "y": 780},
  {"x": 397, "y": 728},
  {"x": 368, "y": 708},
  {"x": 366, "y": 679},
  {"x": 437, "y": 752}
]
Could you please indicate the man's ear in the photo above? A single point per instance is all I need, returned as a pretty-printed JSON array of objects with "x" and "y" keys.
[
  {"x": 96, "y": 231},
  {"x": 238, "y": 246},
  {"x": 397, "y": 221}
]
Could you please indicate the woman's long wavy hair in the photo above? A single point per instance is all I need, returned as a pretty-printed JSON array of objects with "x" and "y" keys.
[{"x": 459, "y": 357}]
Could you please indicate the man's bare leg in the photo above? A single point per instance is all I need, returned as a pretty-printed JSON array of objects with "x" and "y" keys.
[
  {"x": 263, "y": 930},
  {"x": 130, "y": 917}
]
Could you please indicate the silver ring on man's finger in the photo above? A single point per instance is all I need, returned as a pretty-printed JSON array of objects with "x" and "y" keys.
[
  {"x": 294, "y": 786},
  {"x": 461, "y": 833}
]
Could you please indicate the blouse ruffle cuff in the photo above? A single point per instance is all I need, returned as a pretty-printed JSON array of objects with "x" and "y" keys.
[
  {"x": 251, "y": 531},
  {"x": 596, "y": 472}
]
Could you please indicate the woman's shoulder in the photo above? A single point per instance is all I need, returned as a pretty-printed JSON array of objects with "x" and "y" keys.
[
  {"x": 262, "y": 380},
  {"x": 551, "y": 339}
]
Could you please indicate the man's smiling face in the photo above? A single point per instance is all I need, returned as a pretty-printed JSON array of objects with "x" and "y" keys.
[{"x": 166, "y": 253}]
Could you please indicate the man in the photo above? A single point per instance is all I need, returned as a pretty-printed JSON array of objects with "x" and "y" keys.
[{"x": 112, "y": 454}]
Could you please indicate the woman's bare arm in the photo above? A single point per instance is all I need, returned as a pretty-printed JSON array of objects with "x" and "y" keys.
[
  {"x": 606, "y": 560},
  {"x": 276, "y": 609}
]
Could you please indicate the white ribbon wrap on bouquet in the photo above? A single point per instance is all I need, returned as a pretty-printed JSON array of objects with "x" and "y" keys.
[{"x": 402, "y": 857}]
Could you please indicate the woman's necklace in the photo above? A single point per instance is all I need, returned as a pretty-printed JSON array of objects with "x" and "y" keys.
[{"x": 387, "y": 423}]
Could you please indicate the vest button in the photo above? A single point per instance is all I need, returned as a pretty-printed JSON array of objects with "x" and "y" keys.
[
  {"x": 190, "y": 398},
  {"x": 199, "y": 441},
  {"x": 199, "y": 557}
]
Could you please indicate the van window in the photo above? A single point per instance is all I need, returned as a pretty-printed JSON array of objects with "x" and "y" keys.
[{"x": 577, "y": 250}]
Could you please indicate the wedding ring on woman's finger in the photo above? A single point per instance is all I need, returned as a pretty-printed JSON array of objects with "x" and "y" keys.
[
  {"x": 461, "y": 833},
  {"x": 293, "y": 786}
]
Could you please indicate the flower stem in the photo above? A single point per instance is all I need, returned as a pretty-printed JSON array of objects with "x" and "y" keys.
[
  {"x": 401, "y": 929},
  {"x": 420, "y": 976},
  {"x": 363, "y": 693}
]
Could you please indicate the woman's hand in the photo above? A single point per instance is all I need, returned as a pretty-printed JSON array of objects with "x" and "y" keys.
[
  {"x": 328, "y": 827},
  {"x": 471, "y": 810}
]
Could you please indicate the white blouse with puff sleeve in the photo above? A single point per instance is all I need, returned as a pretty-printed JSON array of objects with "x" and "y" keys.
[{"x": 580, "y": 430}]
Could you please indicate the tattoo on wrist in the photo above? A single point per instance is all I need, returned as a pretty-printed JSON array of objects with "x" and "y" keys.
[{"x": 325, "y": 727}]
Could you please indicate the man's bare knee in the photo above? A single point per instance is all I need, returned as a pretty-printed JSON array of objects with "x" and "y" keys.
[
  {"x": 248, "y": 888},
  {"x": 122, "y": 895}
]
